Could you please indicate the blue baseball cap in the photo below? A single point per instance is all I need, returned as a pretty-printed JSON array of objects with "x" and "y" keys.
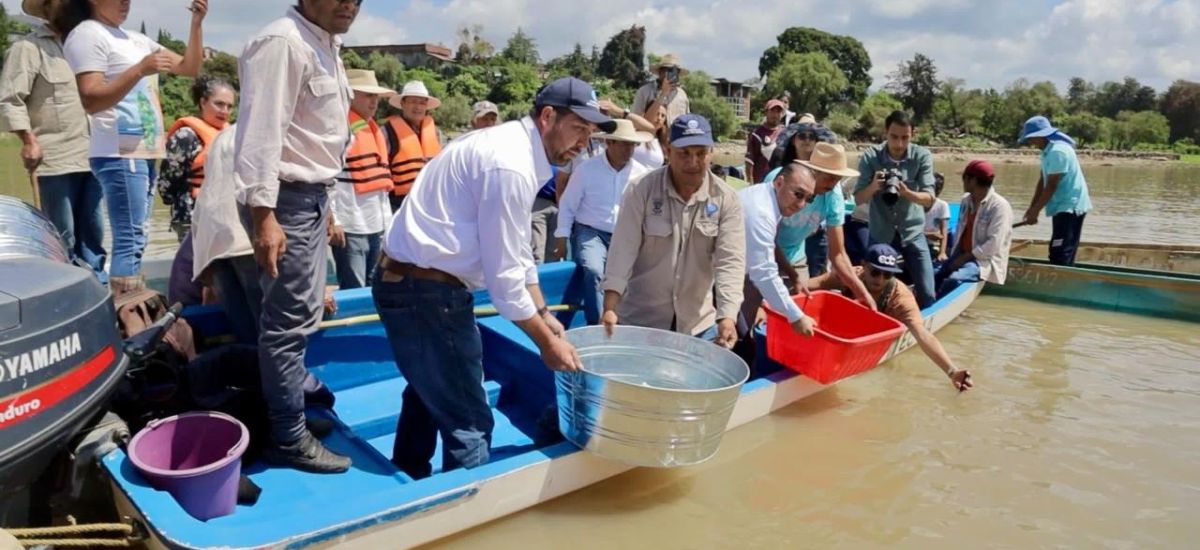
[
  {"x": 579, "y": 97},
  {"x": 691, "y": 129},
  {"x": 884, "y": 258}
]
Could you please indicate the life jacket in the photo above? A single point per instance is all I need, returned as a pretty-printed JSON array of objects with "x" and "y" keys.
[
  {"x": 365, "y": 167},
  {"x": 207, "y": 134},
  {"x": 410, "y": 153}
]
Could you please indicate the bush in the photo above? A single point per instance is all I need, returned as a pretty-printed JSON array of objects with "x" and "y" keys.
[
  {"x": 842, "y": 123},
  {"x": 1186, "y": 146},
  {"x": 454, "y": 113}
]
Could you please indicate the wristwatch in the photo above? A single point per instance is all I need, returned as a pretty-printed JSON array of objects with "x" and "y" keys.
[{"x": 625, "y": 113}]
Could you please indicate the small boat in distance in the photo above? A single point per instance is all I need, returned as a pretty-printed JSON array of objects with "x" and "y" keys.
[{"x": 374, "y": 505}]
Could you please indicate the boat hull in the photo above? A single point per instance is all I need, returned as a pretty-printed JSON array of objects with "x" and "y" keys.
[
  {"x": 1158, "y": 257},
  {"x": 454, "y": 501}
]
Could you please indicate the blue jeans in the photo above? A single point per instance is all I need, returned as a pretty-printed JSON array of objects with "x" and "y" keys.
[
  {"x": 72, "y": 202},
  {"x": 858, "y": 238},
  {"x": 948, "y": 280},
  {"x": 816, "y": 249},
  {"x": 356, "y": 261},
  {"x": 919, "y": 267},
  {"x": 437, "y": 347},
  {"x": 236, "y": 282},
  {"x": 127, "y": 192},
  {"x": 589, "y": 246},
  {"x": 1064, "y": 237}
]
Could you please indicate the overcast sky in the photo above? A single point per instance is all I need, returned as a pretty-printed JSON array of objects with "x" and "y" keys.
[{"x": 987, "y": 43}]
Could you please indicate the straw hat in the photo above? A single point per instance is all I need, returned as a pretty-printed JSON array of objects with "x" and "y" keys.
[
  {"x": 625, "y": 132},
  {"x": 364, "y": 81},
  {"x": 669, "y": 60},
  {"x": 36, "y": 8},
  {"x": 831, "y": 159},
  {"x": 414, "y": 88}
]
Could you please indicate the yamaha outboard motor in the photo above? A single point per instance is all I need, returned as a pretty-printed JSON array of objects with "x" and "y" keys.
[{"x": 60, "y": 352}]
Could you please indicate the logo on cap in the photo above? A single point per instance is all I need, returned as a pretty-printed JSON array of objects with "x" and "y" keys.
[
  {"x": 693, "y": 128},
  {"x": 886, "y": 259}
]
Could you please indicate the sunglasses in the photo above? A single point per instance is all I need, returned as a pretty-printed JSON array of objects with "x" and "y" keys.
[
  {"x": 802, "y": 196},
  {"x": 806, "y": 137},
  {"x": 877, "y": 273}
]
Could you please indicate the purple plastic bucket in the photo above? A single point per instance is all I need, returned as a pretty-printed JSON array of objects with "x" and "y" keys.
[{"x": 194, "y": 456}]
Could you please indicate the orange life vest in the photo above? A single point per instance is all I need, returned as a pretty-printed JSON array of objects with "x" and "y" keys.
[
  {"x": 411, "y": 153},
  {"x": 207, "y": 134},
  {"x": 365, "y": 167}
]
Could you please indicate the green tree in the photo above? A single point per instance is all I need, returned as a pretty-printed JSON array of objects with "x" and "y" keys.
[
  {"x": 842, "y": 122},
  {"x": 621, "y": 58},
  {"x": 222, "y": 65},
  {"x": 958, "y": 109},
  {"x": 517, "y": 84},
  {"x": 1133, "y": 128},
  {"x": 352, "y": 60},
  {"x": 389, "y": 71},
  {"x": 9, "y": 26},
  {"x": 1128, "y": 95},
  {"x": 169, "y": 42},
  {"x": 995, "y": 120},
  {"x": 175, "y": 96},
  {"x": 705, "y": 102},
  {"x": 1181, "y": 106},
  {"x": 1087, "y": 129},
  {"x": 1081, "y": 95},
  {"x": 1024, "y": 100},
  {"x": 915, "y": 84},
  {"x": 846, "y": 52},
  {"x": 469, "y": 84},
  {"x": 472, "y": 47},
  {"x": 811, "y": 81},
  {"x": 521, "y": 48},
  {"x": 454, "y": 113},
  {"x": 575, "y": 64},
  {"x": 875, "y": 111}
]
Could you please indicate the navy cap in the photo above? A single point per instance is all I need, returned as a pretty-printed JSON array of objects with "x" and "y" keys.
[
  {"x": 579, "y": 97},
  {"x": 691, "y": 129},
  {"x": 884, "y": 258}
]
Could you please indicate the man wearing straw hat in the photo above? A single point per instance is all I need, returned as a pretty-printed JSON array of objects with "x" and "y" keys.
[
  {"x": 825, "y": 204},
  {"x": 1061, "y": 189},
  {"x": 290, "y": 145},
  {"x": 360, "y": 207},
  {"x": 412, "y": 137},
  {"x": 587, "y": 210},
  {"x": 39, "y": 103},
  {"x": 663, "y": 93}
]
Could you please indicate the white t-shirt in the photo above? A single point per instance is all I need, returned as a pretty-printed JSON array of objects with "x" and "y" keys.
[
  {"x": 940, "y": 211},
  {"x": 134, "y": 127},
  {"x": 649, "y": 154}
]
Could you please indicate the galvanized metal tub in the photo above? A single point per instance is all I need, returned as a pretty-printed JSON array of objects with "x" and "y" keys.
[{"x": 648, "y": 397}]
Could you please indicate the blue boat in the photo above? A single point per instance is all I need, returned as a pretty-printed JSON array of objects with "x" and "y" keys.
[{"x": 376, "y": 506}]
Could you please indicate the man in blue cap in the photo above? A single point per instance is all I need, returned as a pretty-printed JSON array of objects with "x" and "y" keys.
[
  {"x": 878, "y": 272},
  {"x": 679, "y": 237},
  {"x": 465, "y": 225},
  {"x": 1061, "y": 188}
]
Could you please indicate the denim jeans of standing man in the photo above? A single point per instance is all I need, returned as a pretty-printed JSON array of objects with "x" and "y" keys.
[
  {"x": 355, "y": 262},
  {"x": 947, "y": 279},
  {"x": 72, "y": 202},
  {"x": 589, "y": 247},
  {"x": 431, "y": 328},
  {"x": 127, "y": 193}
]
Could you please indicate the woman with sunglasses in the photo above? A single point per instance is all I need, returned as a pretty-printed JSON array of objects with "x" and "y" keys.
[{"x": 878, "y": 272}]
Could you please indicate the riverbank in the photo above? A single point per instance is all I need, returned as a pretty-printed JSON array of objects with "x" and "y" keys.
[{"x": 731, "y": 152}]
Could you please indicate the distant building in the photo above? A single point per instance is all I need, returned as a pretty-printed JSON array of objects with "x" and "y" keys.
[
  {"x": 737, "y": 94},
  {"x": 430, "y": 56}
]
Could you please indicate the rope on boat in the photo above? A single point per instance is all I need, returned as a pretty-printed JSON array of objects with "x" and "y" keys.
[{"x": 124, "y": 530}]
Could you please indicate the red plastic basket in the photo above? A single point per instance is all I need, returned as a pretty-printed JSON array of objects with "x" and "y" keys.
[{"x": 849, "y": 338}]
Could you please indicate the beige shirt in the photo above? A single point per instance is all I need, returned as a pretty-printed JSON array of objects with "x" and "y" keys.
[
  {"x": 667, "y": 254},
  {"x": 677, "y": 101},
  {"x": 991, "y": 237},
  {"x": 292, "y": 122},
  {"x": 38, "y": 94},
  {"x": 217, "y": 231}
]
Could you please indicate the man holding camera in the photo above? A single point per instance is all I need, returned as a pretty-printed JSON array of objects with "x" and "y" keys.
[
  {"x": 664, "y": 93},
  {"x": 897, "y": 179}
]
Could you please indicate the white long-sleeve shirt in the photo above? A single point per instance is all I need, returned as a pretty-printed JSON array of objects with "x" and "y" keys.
[
  {"x": 761, "y": 209},
  {"x": 593, "y": 195},
  {"x": 292, "y": 121},
  {"x": 470, "y": 213}
]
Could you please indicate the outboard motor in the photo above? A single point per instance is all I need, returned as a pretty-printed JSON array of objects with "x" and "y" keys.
[{"x": 60, "y": 352}]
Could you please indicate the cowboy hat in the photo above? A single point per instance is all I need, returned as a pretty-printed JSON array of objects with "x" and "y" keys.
[
  {"x": 35, "y": 8},
  {"x": 414, "y": 88},
  {"x": 625, "y": 132},
  {"x": 364, "y": 81},
  {"x": 669, "y": 60},
  {"x": 829, "y": 158}
]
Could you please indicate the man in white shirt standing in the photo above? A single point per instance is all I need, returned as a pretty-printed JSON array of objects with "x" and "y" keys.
[
  {"x": 291, "y": 141},
  {"x": 464, "y": 226},
  {"x": 361, "y": 205},
  {"x": 587, "y": 210}
]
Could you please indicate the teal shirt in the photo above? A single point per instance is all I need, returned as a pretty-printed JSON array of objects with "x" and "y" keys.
[
  {"x": 904, "y": 217},
  {"x": 828, "y": 208},
  {"x": 1072, "y": 193}
]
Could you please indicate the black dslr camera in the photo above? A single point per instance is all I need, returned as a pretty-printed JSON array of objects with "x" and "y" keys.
[{"x": 891, "y": 185}]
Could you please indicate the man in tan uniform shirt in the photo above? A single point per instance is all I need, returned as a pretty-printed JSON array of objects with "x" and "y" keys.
[{"x": 680, "y": 235}]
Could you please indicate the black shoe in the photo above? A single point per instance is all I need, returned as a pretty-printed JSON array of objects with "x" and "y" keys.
[
  {"x": 307, "y": 455},
  {"x": 320, "y": 427}
]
